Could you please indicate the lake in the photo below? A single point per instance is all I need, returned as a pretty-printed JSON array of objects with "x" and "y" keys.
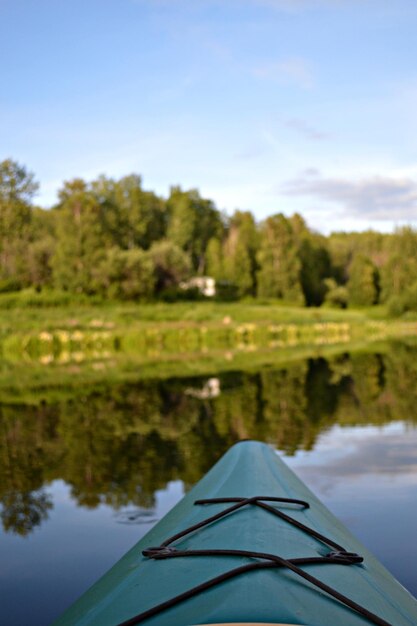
[{"x": 87, "y": 470}]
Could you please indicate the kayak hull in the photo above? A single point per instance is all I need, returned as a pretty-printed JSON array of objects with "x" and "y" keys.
[{"x": 274, "y": 595}]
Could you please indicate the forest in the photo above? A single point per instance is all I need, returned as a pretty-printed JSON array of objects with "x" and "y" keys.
[{"x": 112, "y": 239}]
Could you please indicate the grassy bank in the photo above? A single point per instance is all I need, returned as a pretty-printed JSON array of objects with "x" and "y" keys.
[
  {"x": 84, "y": 331},
  {"x": 25, "y": 312},
  {"x": 84, "y": 343}
]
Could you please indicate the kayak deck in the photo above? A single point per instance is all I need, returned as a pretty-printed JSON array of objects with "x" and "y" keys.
[{"x": 265, "y": 555}]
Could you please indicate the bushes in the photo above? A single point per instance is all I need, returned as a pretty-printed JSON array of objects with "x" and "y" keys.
[
  {"x": 8, "y": 285},
  {"x": 126, "y": 275},
  {"x": 404, "y": 303},
  {"x": 336, "y": 295},
  {"x": 226, "y": 291},
  {"x": 31, "y": 298},
  {"x": 171, "y": 265}
]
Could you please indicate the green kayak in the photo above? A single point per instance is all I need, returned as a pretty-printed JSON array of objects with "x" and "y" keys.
[{"x": 249, "y": 544}]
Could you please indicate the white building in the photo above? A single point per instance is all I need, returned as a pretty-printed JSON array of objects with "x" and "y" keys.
[{"x": 205, "y": 284}]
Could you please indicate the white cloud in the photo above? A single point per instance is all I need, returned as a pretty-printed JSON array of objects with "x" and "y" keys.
[{"x": 376, "y": 197}]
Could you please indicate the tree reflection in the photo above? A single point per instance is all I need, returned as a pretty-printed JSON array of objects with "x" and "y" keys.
[
  {"x": 119, "y": 443},
  {"x": 22, "y": 512}
]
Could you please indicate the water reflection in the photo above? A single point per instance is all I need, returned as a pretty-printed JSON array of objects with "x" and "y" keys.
[
  {"x": 117, "y": 444},
  {"x": 97, "y": 465},
  {"x": 367, "y": 475},
  {"x": 22, "y": 511},
  {"x": 378, "y": 455}
]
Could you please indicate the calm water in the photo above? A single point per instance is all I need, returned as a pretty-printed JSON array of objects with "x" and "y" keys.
[{"x": 86, "y": 474}]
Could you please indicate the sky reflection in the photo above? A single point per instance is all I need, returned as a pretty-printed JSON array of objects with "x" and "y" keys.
[{"x": 367, "y": 476}]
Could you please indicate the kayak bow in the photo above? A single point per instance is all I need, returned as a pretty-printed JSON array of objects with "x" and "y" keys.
[{"x": 249, "y": 544}]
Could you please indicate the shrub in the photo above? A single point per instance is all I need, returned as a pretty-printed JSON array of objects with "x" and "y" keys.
[
  {"x": 336, "y": 295},
  {"x": 407, "y": 301}
]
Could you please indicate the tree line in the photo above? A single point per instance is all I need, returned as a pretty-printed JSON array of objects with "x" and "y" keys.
[{"x": 114, "y": 239}]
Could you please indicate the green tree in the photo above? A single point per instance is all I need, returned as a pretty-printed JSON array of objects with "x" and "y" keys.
[
  {"x": 135, "y": 218},
  {"x": 400, "y": 271},
  {"x": 239, "y": 253},
  {"x": 362, "y": 285},
  {"x": 193, "y": 221},
  {"x": 214, "y": 259},
  {"x": 315, "y": 261},
  {"x": 171, "y": 263},
  {"x": 126, "y": 274},
  {"x": 344, "y": 247},
  {"x": 82, "y": 238},
  {"x": 40, "y": 253},
  {"x": 17, "y": 185},
  {"x": 278, "y": 259},
  {"x": 17, "y": 188}
]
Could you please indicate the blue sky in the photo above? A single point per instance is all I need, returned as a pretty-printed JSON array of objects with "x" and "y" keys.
[{"x": 267, "y": 105}]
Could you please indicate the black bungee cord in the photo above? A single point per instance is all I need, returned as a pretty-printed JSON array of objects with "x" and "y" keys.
[{"x": 338, "y": 556}]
